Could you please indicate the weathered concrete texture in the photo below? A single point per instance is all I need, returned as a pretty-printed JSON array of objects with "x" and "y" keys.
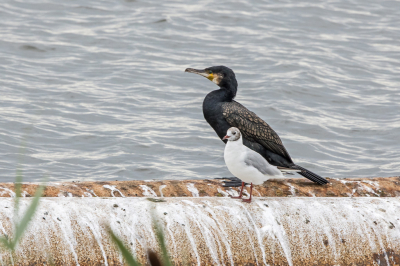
[
  {"x": 354, "y": 187},
  {"x": 212, "y": 231}
]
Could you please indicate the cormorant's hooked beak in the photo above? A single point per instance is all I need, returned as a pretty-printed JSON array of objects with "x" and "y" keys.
[
  {"x": 202, "y": 72},
  {"x": 226, "y": 137}
]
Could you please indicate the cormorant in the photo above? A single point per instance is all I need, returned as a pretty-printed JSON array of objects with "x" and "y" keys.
[{"x": 222, "y": 113}]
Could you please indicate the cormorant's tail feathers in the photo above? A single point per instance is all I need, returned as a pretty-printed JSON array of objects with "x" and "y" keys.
[
  {"x": 288, "y": 171},
  {"x": 312, "y": 176}
]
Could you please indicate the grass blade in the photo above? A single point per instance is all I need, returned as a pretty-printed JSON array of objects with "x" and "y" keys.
[
  {"x": 21, "y": 227},
  {"x": 5, "y": 242},
  {"x": 123, "y": 249},
  {"x": 17, "y": 188}
]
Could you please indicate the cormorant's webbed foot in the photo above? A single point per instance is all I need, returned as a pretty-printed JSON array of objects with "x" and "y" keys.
[{"x": 233, "y": 181}]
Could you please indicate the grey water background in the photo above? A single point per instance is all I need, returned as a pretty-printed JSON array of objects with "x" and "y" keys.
[{"x": 96, "y": 90}]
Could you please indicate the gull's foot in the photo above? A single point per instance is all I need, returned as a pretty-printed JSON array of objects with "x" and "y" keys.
[
  {"x": 235, "y": 197},
  {"x": 246, "y": 200}
]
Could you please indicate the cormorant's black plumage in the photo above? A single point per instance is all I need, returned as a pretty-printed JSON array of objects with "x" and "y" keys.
[{"x": 222, "y": 112}]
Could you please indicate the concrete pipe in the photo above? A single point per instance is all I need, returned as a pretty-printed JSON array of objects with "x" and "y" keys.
[{"x": 293, "y": 230}]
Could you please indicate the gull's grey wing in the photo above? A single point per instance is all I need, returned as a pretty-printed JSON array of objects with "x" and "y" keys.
[{"x": 255, "y": 160}]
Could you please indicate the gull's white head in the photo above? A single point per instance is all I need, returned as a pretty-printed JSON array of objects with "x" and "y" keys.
[{"x": 233, "y": 134}]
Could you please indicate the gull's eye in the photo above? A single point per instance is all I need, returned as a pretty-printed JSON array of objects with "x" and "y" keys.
[
  {"x": 234, "y": 133},
  {"x": 209, "y": 72}
]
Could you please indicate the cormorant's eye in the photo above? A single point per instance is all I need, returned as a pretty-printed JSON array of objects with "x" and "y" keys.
[{"x": 209, "y": 72}]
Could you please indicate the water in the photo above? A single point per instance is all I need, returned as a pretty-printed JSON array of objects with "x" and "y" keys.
[{"x": 97, "y": 90}]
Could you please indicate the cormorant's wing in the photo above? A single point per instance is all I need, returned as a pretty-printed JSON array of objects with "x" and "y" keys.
[{"x": 253, "y": 128}]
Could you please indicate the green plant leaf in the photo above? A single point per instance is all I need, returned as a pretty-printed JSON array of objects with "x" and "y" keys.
[
  {"x": 21, "y": 227},
  {"x": 17, "y": 188},
  {"x": 5, "y": 242},
  {"x": 124, "y": 250}
]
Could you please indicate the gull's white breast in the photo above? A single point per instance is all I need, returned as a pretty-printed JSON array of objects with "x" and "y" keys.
[{"x": 235, "y": 158}]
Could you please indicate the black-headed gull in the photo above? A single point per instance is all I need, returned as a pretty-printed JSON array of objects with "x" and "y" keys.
[{"x": 246, "y": 164}]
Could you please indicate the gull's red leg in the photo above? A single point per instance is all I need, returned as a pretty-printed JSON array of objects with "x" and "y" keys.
[
  {"x": 241, "y": 193},
  {"x": 251, "y": 191}
]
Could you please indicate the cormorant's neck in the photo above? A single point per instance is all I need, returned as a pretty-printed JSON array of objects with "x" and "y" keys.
[{"x": 229, "y": 88}]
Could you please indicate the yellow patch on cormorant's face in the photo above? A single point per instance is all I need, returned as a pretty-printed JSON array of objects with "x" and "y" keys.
[{"x": 214, "y": 77}]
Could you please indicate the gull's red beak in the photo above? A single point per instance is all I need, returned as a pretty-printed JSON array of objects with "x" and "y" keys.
[{"x": 226, "y": 137}]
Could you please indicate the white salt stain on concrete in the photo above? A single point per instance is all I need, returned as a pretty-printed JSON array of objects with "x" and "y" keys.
[
  {"x": 91, "y": 192},
  {"x": 368, "y": 189},
  {"x": 245, "y": 192},
  {"x": 94, "y": 227},
  {"x": 364, "y": 187},
  {"x": 113, "y": 188},
  {"x": 203, "y": 223},
  {"x": 240, "y": 218},
  {"x": 275, "y": 230},
  {"x": 232, "y": 192},
  {"x": 148, "y": 191},
  {"x": 372, "y": 183},
  {"x": 223, "y": 193},
  {"x": 292, "y": 189},
  {"x": 6, "y": 190},
  {"x": 61, "y": 217},
  {"x": 259, "y": 237},
  {"x": 25, "y": 194},
  {"x": 255, "y": 190},
  {"x": 193, "y": 189},
  {"x": 160, "y": 189},
  {"x": 220, "y": 227}
]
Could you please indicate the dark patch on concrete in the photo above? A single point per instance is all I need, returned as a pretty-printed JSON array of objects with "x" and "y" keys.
[
  {"x": 155, "y": 200},
  {"x": 393, "y": 257}
]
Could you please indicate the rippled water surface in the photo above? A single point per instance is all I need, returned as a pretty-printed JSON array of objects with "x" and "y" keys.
[{"x": 97, "y": 90}]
